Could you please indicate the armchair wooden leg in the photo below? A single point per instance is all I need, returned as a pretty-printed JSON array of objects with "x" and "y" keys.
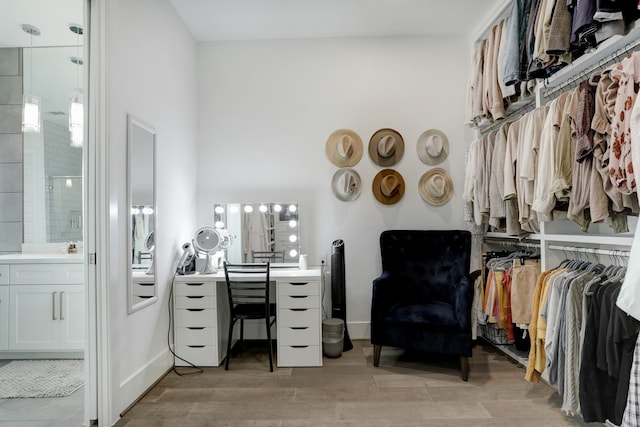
[
  {"x": 376, "y": 354},
  {"x": 464, "y": 368}
]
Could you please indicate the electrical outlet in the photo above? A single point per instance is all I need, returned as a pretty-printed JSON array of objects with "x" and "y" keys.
[{"x": 323, "y": 258}]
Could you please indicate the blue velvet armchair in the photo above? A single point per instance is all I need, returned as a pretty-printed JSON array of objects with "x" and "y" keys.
[{"x": 422, "y": 301}]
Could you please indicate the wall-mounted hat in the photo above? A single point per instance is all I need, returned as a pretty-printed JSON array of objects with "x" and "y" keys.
[
  {"x": 433, "y": 147},
  {"x": 436, "y": 186},
  {"x": 388, "y": 186},
  {"x": 346, "y": 184},
  {"x": 386, "y": 147},
  {"x": 344, "y": 148}
]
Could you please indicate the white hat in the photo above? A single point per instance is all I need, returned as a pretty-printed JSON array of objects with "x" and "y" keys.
[
  {"x": 344, "y": 148},
  {"x": 433, "y": 147},
  {"x": 436, "y": 187},
  {"x": 346, "y": 184}
]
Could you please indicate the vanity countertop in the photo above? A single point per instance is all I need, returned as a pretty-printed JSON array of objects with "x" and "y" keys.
[{"x": 42, "y": 259}]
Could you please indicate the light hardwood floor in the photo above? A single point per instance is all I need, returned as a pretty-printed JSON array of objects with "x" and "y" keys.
[{"x": 405, "y": 390}]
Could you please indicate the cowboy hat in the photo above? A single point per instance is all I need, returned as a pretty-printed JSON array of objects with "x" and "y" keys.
[
  {"x": 346, "y": 184},
  {"x": 388, "y": 186},
  {"x": 386, "y": 147},
  {"x": 436, "y": 187},
  {"x": 433, "y": 147},
  {"x": 344, "y": 148}
]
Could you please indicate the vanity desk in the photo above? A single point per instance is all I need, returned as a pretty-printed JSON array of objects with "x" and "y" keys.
[{"x": 201, "y": 317}]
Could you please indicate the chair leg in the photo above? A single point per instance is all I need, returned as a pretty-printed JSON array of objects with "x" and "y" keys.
[
  {"x": 269, "y": 343},
  {"x": 226, "y": 362},
  {"x": 241, "y": 334},
  {"x": 464, "y": 368},
  {"x": 376, "y": 354}
]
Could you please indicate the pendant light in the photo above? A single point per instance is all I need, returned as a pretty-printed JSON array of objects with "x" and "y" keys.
[
  {"x": 76, "y": 108},
  {"x": 31, "y": 113}
]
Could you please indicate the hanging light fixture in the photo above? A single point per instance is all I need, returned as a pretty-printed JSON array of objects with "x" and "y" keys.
[
  {"x": 76, "y": 109},
  {"x": 31, "y": 113}
]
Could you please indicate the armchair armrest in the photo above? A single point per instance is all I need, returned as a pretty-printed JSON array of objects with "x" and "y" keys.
[
  {"x": 464, "y": 299},
  {"x": 381, "y": 298}
]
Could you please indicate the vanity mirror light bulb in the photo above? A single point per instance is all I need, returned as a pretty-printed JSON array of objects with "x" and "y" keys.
[
  {"x": 293, "y": 238},
  {"x": 248, "y": 209},
  {"x": 135, "y": 211},
  {"x": 147, "y": 210},
  {"x": 293, "y": 223},
  {"x": 277, "y": 208},
  {"x": 219, "y": 224},
  {"x": 293, "y": 253},
  {"x": 263, "y": 208},
  {"x": 219, "y": 210},
  {"x": 293, "y": 208}
]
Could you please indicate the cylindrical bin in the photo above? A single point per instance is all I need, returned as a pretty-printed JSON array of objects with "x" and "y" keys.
[{"x": 332, "y": 337}]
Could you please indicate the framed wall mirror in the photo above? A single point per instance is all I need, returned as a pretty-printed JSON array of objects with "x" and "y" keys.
[
  {"x": 141, "y": 139},
  {"x": 261, "y": 231}
]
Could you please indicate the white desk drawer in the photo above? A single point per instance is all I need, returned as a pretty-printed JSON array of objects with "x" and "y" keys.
[
  {"x": 4, "y": 274},
  {"x": 143, "y": 289},
  {"x": 299, "y": 335},
  {"x": 299, "y": 301},
  {"x": 199, "y": 301},
  {"x": 195, "y": 318},
  {"x": 194, "y": 288},
  {"x": 310, "y": 355},
  {"x": 201, "y": 355},
  {"x": 303, "y": 287},
  {"x": 47, "y": 274},
  {"x": 308, "y": 317},
  {"x": 195, "y": 336}
]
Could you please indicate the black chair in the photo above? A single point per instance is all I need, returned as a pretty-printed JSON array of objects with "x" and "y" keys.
[
  {"x": 248, "y": 289},
  {"x": 422, "y": 301},
  {"x": 264, "y": 256}
]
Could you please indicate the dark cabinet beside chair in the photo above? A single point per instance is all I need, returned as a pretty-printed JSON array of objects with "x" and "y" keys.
[{"x": 422, "y": 300}]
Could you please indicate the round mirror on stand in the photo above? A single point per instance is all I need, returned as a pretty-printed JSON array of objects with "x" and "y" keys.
[
  {"x": 208, "y": 241},
  {"x": 150, "y": 244}
]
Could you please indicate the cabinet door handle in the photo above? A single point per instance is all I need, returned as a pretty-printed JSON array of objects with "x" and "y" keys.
[
  {"x": 61, "y": 309},
  {"x": 298, "y": 296},
  {"x": 53, "y": 305}
]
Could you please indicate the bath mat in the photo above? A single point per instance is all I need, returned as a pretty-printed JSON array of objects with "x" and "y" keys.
[{"x": 40, "y": 378}]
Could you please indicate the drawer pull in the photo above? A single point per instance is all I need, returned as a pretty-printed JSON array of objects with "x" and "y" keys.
[
  {"x": 195, "y": 309},
  {"x": 195, "y": 346},
  {"x": 298, "y": 296},
  {"x": 299, "y": 346},
  {"x": 298, "y": 309},
  {"x": 298, "y": 328},
  {"x": 146, "y": 284},
  {"x": 194, "y": 328},
  {"x": 194, "y": 284},
  {"x": 298, "y": 283},
  {"x": 195, "y": 297}
]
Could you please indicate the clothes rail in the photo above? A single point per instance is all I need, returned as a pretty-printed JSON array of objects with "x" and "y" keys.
[
  {"x": 611, "y": 252},
  {"x": 512, "y": 117},
  {"x": 512, "y": 243},
  {"x": 615, "y": 56}
]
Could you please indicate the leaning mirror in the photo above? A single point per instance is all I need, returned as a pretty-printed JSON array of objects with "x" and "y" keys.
[
  {"x": 141, "y": 193},
  {"x": 261, "y": 231}
]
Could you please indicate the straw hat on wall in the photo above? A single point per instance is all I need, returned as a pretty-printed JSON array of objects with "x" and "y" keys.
[
  {"x": 433, "y": 147},
  {"x": 346, "y": 184},
  {"x": 344, "y": 148},
  {"x": 436, "y": 187},
  {"x": 386, "y": 147},
  {"x": 388, "y": 186}
]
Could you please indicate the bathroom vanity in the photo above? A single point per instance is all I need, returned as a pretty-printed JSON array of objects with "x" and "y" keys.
[{"x": 41, "y": 305}]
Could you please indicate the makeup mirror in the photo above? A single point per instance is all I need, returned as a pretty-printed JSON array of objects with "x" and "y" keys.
[{"x": 141, "y": 194}]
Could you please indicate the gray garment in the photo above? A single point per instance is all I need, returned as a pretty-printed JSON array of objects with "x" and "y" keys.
[
  {"x": 515, "y": 55},
  {"x": 498, "y": 207}
]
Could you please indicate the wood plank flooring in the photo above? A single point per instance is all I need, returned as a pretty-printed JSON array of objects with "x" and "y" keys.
[{"x": 406, "y": 390}]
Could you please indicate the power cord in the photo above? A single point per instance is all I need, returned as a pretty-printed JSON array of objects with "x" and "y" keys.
[
  {"x": 322, "y": 289},
  {"x": 198, "y": 370}
]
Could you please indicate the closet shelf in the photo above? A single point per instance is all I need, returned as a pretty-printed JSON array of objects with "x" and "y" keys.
[{"x": 595, "y": 239}]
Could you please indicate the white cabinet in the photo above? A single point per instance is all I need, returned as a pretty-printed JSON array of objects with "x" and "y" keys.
[
  {"x": 42, "y": 307},
  {"x": 4, "y": 317},
  {"x": 299, "y": 322},
  {"x": 201, "y": 321}
]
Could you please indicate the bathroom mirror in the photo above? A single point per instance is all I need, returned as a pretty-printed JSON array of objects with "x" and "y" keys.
[
  {"x": 141, "y": 193},
  {"x": 261, "y": 231}
]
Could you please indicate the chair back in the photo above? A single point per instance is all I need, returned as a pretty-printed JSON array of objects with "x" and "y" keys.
[
  {"x": 431, "y": 263},
  {"x": 247, "y": 283}
]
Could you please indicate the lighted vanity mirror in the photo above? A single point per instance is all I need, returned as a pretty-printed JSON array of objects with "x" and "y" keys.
[
  {"x": 141, "y": 231},
  {"x": 261, "y": 231}
]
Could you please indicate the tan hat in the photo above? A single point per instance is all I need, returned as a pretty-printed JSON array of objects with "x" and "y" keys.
[
  {"x": 433, "y": 147},
  {"x": 436, "y": 186},
  {"x": 344, "y": 148},
  {"x": 388, "y": 186},
  {"x": 386, "y": 147},
  {"x": 346, "y": 184}
]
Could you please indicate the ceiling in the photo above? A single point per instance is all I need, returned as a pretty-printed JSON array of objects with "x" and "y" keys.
[{"x": 210, "y": 20}]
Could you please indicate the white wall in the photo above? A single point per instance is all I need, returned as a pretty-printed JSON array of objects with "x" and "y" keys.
[
  {"x": 266, "y": 109},
  {"x": 151, "y": 61}
]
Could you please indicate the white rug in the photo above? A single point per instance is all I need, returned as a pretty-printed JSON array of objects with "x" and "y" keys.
[{"x": 40, "y": 378}]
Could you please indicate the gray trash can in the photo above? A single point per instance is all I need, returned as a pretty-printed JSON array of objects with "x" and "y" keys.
[{"x": 332, "y": 337}]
